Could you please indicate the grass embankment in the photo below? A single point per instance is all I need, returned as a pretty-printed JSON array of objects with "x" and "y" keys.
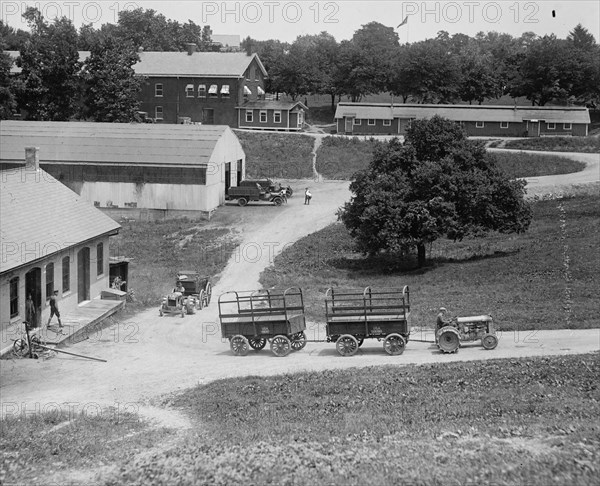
[
  {"x": 501, "y": 422},
  {"x": 35, "y": 448},
  {"x": 277, "y": 155},
  {"x": 340, "y": 158},
  {"x": 557, "y": 144},
  {"x": 159, "y": 249},
  {"x": 546, "y": 278}
]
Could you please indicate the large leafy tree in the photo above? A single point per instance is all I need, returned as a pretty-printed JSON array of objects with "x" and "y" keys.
[
  {"x": 438, "y": 184},
  {"x": 111, "y": 84},
  {"x": 8, "y": 102},
  {"x": 49, "y": 83}
]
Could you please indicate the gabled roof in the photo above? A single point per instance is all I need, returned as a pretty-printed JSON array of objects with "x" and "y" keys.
[
  {"x": 41, "y": 216},
  {"x": 272, "y": 105},
  {"x": 111, "y": 143},
  {"x": 206, "y": 64},
  {"x": 518, "y": 114}
]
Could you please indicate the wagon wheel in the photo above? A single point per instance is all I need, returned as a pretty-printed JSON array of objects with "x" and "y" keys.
[
  {"x": 201, "y": 299},
  {"x": 239, "y": 345},
  {"x": 448, "y": 340},
  {"x": 281, "y": 345},
  {"x": 278, "y": 201},
  {"x": 394, "y": 344},
  {"x": 489, "y": 341},
  {"x": 257, "y": 343},
  {"x": 20, "y": 347},
  {"x": 242, "y": 201},
  {"x": 298, "y": 341},
  {"x": 208, "y": 293},
  {"x": 347, "y": 345}
]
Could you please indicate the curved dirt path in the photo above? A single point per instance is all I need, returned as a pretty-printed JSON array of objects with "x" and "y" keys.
[{"x": 149, "y": 356}]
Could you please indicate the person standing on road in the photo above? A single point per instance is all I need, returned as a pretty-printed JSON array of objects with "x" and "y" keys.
[
  {"x": 54, "y": 309},
  {"x": 307, "y": 196}
]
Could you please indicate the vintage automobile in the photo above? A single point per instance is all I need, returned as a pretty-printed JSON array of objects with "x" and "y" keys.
[
  {"x": 192, "y": 292},
  {"x": 450, "y": 335},
  {"x": 247, "y": 193},
  {"x": 268, "y": 185}
]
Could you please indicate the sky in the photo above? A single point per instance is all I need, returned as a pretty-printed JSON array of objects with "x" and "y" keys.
[{"x": 285, "y": 20}]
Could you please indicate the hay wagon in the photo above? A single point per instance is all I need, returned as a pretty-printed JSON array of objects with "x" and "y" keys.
[
  {"x": 251, "y": 319},
  {"x": 355, "y": 315}
]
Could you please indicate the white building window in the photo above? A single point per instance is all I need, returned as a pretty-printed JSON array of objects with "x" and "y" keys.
[
  {"x": 551, "y": 126},
  {"x": 277, "y": 117},
  {"x": 479, "y": 124},
  {"x": 158, "y": 90},
  {"x": 387, "y": 123},
  {"x": 189, "y": 91},
  {"x": 247, "y": 92},
  {"x": 14, "y": 296},
  {"x": 357, "y": 121},
  {"x": 371, "y": 121},
  {"x": 225, "y": 91},
  {"x": 567, "y": 126},
  {"x": 158, "y": 112},
  {"x": 202, "y": 91},
  {"x": 260, "y": 92},
  {"x": 212, "y": 91},
  {"x": 503, "y": 124},
  {"x": 249, "y": 116},
  {"x": 263, "y": 116}
]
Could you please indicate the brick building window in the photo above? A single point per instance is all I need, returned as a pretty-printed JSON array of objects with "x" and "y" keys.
[
  {"x": 49, "y": 280},
  {"x": 479, "y": 124},
  {"x": 189, "y": 91},
  {"x": 158, "y": 90},
  {"x": 371, "y": 121},
  {"x": 387, "y": 123},
  {"x": 202, "y": 91},
  {"x": 277, "y": 117},
  {"x": 249, "y": 116},
  {"x": 503, "y": 124},
  {"x": 99, "y": 258},
  {"x": 212, "y": 91},
  {"x": 225, "y": 91},
  {"x": 357, "y": 121},
  {"x": 567, "y": 126},
  {"x": 14, "y": 296},
  {"x": 158, "y": 112},
  {"x": 66, "y": 274},
  {"x": 263, "y": 116},
  {"x": 551, "y": 126}
]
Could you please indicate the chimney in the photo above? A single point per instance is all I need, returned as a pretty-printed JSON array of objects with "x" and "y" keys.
[
  {"x": 191, "y": 48},
  {"x": 32, "y": 158}
]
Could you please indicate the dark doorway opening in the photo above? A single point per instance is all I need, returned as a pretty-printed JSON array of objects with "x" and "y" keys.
[
  {"x": 33, "y": 287},
  {"x": 83, "y": 274}
]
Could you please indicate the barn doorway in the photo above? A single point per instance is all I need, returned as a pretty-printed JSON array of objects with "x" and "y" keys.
[
  {"x": 239, "y": 171},
  {"x": 83, "y": 274},
  {"x": 33, "y": 287},
  {"x": 227, "y": 177}
]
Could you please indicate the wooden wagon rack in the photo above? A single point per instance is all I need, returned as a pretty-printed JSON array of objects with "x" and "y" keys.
[
  {"x": 251, "y": 318},
  {"x": 355, "y": 315}
]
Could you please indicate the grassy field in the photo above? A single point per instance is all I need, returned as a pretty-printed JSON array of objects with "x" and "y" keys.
[
  {"x": 557, "y": 144},
  {"x": 546, "y": 278},
  {"x": 339, "y": 158},
  {"x": 159, "y": 249},
  {"x": 501, "y": 422},
  {"x": 277, "y": 155}
]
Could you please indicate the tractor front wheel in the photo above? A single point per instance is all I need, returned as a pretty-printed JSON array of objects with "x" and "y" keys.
[{"x": 489, "y": 341}]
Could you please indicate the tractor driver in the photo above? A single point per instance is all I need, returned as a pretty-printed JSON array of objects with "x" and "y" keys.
[
  {"x": 179, "y": 287},
  {"x": 441, "y": 318}
]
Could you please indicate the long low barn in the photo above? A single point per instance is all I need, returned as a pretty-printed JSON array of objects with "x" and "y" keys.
[
  {"x": 127, "y": 166},
  {"x": 499, "y": 121}
]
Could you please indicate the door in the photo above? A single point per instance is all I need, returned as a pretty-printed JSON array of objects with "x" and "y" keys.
[
  {"x": 349, "y": 124},
  {"x": 33, "y": 287},
  {"x": 239, "y": 171},
  {"x": 208, "y": 116},
  {"x": 533, "y": 128},
  {"x": 83, "y": 274},
  {"x": 227, "y": 177}
]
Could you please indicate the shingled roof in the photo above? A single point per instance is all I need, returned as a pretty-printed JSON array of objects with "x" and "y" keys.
[
  {"x": 41, "y": 216},
  {"x": 496, "y": 113},
  {"x": 111, "y": 143}
]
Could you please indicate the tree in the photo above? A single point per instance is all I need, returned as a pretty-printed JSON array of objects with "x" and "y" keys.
[
  {"x": 12, "y": 39},
  {"x": 8, "y": 102},
  {"x": 437, "y": 184},
  {"x": 49, "y": 81},
  {"x": 111, "y": 84}
]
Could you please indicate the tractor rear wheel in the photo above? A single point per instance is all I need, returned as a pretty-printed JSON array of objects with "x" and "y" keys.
[
  {"x": 448, "y": 340},
  {"x": 489, "y": 341}
]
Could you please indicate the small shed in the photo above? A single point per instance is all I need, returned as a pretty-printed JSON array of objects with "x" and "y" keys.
[
  {"x": 272, "y": 115},
  {"x": 120, "y": 167}
]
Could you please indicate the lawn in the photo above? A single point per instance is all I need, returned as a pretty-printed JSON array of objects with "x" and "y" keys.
[
  {"x": 546, "y": 278},
  {"x": 502, "y": 422},
  {"x": 277, "y": 155},
  {"x": 159, "y": 249},
  {"x": 557, "y": 144},
  {"x": 341, "y": 157}
]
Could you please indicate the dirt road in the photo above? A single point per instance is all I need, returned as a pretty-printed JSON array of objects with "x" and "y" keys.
[{"x": 149, "y": 355}]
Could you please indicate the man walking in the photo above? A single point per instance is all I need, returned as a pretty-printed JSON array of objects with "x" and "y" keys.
[
  {"x": 307, "y": 196},
  {"x": 54, "y": 309}
]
